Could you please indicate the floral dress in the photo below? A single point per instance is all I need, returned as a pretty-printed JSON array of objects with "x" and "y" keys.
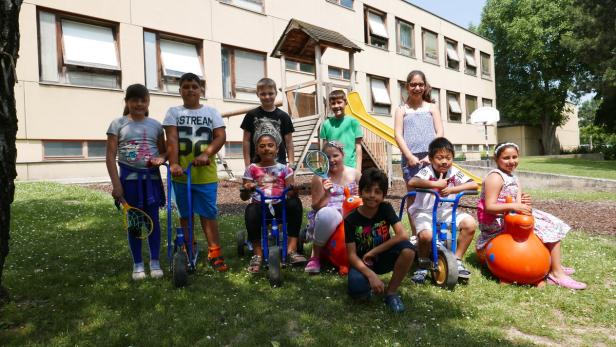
[
  {"x": 548, "y": 228},
  {"x": 336, "y": 198}
]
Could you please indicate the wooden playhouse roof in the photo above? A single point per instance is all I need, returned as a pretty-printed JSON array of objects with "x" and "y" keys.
[{"x": 300, "y": 38}]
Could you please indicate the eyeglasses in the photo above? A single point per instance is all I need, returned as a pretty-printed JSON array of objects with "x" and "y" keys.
[{"x": 420, "y": 85}]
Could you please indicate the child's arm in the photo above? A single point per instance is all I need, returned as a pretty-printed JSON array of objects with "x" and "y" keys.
[
  {"x": 436, "y": 117},
  {"x": 399, "y": 136},
  {"x": 219, "y": 138},
  {"x": 493, "y": 185},
  {"x": 471, "y": 185},
  {"x": 358, "y": 154},
  {"x": 399, "y": 236},
  {"x": 417, "y": 182},
  {"x": 162, "y": 151},
  {"x": 319, "y": 191},
  {"x": 246, "y": 148},
  {"x": 375, "y": 282},
  {"x": 288, "y": 142},
  {"x": 248, "y": 186},
  {"x": 110, "y": 161},
  {"x": 172, "y": 150},
  {"x": 290, "y": 182}
]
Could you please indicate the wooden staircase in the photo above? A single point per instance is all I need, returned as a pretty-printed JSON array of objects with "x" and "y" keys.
[
  {"x": 306, "y": 132},
  {"x": 376, "y": 153}
]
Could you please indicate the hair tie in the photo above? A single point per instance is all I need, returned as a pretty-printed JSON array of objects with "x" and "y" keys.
[{"x": 502, "y": 145}]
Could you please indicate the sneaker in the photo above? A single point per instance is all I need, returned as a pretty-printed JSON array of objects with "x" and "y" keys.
[
  {"x": 394, "y": 302},
  {"x": 566, "y": 282},
  {"x": 463, "y": 271},
  {"x": 155, "y": 270},
  {"x": 138, "y": 272},
  {"x": 313, "y": 266},
  {"x": 295, "y": 258},
  {"x": 419, "y": 276}
]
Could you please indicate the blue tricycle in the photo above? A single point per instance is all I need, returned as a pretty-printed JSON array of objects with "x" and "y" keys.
[
  {"x": 182, "y": 251},
  {"x": 443, "y": 265},
  {"x": 273, "y": 237}
]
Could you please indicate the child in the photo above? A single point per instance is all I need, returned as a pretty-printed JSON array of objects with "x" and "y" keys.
[
  {"x": 268, "y": 112},
  {"x": 139, "y": 144},
  {"x": 371, "y": 249},
  {"x": 272, "y": 178},
  {"x": 326, "y": 212},
  {"x": 195, "y": 133},
  {"x": 449, "y": 181},
  {"x": 501, "y": 183},
  {"x": 345, "y": 130}
]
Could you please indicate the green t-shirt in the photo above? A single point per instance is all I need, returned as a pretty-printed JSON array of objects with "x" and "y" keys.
[{"x": 344, "y": 130}]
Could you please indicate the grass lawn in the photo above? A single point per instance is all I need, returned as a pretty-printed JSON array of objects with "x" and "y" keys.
[
  {"x": 69, "y": 276},
  {"x": 570, "y": 166}
]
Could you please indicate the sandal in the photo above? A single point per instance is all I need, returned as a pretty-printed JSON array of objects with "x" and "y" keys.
[
  {"x": 218, "y": 263},
  {"x": 295, "y": 258},
  {"x": 568, "y": 270},
  {"x": 566, "y": 282},
  {"x": 254, "y": 267}
]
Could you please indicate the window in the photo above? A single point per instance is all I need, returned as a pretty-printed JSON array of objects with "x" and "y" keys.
[
  {"x": 485, "y": 66},
  {"x": 406, "y": 43},
  {"x": 454, "y": 112},
  {"x": 457, "y": 148},
  {"x": 486, "y": 102},
  {"x": 241, "y": 70},
  {"x": 379, "y": 95},
  {"x": 253, "y": 5},
  {"x": 473, "y": 148},
  {"x": 77, "y": 51},
  {"x": 470, "y": 66},
  {"x": 471, "y": 105},
  {"x": 339, "y": 73},
  {"x": 452, "y": 60},
  {"x": 435, "y": 94},
  {"x": 375, "y": 29},
  {"x": 344, "y": 3},
  {"x": 301, "y": 67},
  {"x": 430, "y": 46},
  {"x": 404, "y": 92},
  {"x": 167, "y": 59},
  {"x": 74, "y": 149},
  {"x": 234, "y": 150}
]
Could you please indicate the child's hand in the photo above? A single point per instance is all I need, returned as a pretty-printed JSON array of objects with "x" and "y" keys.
[
  {"x": 424, "y": 161},
  {"x": 441, "y": 183},
  {"x": 378, "y": 287},
  {"x": 412, "y": 161},
  {"x": 156, "y": 161},
  {"x": 250, "y": 186},
  {"x": 524, "y": 209},
  {"x": 118, "y": 193},
  {"x": 327, "y": 185},
  {"x": 526, "y": 199},
  {"x": 176, "y": 170},
  {"x": 368, "y": 259},
  {"x": 202, "y": 160},
  {"x": 447, "y": 191}
]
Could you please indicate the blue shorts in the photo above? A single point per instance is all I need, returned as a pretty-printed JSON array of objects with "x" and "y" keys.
[
  {"x": 203, "y": 198},
  {"x": 407, "y": 171}
]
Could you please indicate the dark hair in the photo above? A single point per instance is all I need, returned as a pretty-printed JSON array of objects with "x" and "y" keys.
[
  {"x": 257, "y": 158},
  {"x": 440, "y": 144},
  {"x": 503, "y": 146},
  {"x": 371, "y": 177},
  {"x": 266, "y": 83},
  {"x": 426, "y": 96},
  {"x": 337, "y": 94},
  {"x": 135, "y": 91},
  {"x": 189, "y": 76}
]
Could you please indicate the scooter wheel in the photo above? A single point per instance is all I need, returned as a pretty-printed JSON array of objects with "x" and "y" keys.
[
  {"x": 240, "y": 241},
  {"x": 301, "y": 240},
  {"x": 273, "y": 272},
  {"x": 180, "y": 269},
  {"x": 446, "y": 273}
]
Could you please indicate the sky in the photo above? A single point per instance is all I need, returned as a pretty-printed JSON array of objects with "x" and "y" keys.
[{"x": 461, "y": 12}]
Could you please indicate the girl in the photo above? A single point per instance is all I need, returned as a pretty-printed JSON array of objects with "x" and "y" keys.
[
  {"x": 271, "y": 177},
  {"x": 139, "y": 144},
  {"x": 326, "y": 211},
  {"x": 501, "y": 183}
]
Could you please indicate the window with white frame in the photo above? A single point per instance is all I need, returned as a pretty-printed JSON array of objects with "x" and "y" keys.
[
  {"x": 234, "y": 150},
  {"x": 405, "y": 39},
  {"x": 339, "y": 73},
  {"x": 471, "y": 105},
  {"x": 78, "y": 51},
  {"x": 375, "y": 28},
  {"x": 167, "y": 59},
  {"x": 486, "y": 102},
  {"x": 430, "y": 46},
  {"x": 454, "y": 111},
  {"x": 74, "y": 149},
  {"x": 457, "y": 148},
  {"x": 293, "y": 65},
  {"x": 452, "y": 60},
  {"x": 379, "y": 94},
  {"x": 474, "y": 148},
  {"x": 345, "y": 3},
  {"x": 485, "y": 66},
  {"x": 404, "y": 92},
  {"x": 241, "y": 70},
  {"x": 470, "y": 65},
  {"x": 435, "y": 94},
  {"x": 253, "y": 5}
]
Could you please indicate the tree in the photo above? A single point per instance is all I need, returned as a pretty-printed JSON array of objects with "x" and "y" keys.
[
  {"x": 535, "y": 70},
  {"x": 588, "y": 112},
  {"x": 9, "y": 47}
]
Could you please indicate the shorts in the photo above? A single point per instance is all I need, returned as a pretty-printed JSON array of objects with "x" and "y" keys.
[
  {"x": 423, "y": 220},
  {"x": 409, "y": 171},
  {"x": 203, "y": 198}
]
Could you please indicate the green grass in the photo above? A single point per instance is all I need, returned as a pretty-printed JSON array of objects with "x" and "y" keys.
[
  {"x": 69, "y": 276},
  {"x": 571, "y": 195},
  {"x": 570, "y": 166}
]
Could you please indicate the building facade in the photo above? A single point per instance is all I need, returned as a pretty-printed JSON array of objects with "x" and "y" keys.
[{"x": 77, "y": 58}]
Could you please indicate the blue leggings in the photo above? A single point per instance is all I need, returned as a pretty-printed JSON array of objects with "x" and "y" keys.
[{"x": 153, "y": 240}]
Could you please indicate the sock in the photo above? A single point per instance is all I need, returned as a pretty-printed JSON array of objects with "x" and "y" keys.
[
  {"x": 138, "y": 267},
  {"x": 154, "y": 264}
]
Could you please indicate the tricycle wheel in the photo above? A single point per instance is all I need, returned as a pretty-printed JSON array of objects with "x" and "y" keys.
[
  {"x": 240, "y": 241},
  {"x": 446, "y": 273},
  {"x": 180, "y": 269},
  {"x": 273, "y": 271},
  {"x": 300, "y": 241}
]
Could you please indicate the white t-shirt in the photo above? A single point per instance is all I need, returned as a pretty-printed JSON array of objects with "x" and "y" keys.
[{"x": 424, "y": 202}]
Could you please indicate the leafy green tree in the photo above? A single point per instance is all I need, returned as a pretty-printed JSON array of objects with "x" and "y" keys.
[
  {"x": 535, "y": 68},
  {"x": 588, "y": 112}
]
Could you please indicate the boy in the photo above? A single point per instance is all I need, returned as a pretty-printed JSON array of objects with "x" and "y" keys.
[
  {"x": 266, "y": 91},
  {"x": 440, "y": 175},
  {"x": 345, "y": 130},
  {"x": 371, "y": 249},
  {"x": 195, "y": 133}
]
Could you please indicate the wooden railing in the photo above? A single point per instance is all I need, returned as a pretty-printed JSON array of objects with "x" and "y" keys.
[{"x": 379, "y": 151}]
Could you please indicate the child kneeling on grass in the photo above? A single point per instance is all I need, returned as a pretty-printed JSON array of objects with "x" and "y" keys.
[{"x": 371, "y": 249}]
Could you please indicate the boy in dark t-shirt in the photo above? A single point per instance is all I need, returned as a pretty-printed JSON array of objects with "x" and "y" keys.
[{"x": 371, "y": 249}]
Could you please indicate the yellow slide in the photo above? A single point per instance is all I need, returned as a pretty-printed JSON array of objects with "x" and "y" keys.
[{"x": 355, "y": 108}]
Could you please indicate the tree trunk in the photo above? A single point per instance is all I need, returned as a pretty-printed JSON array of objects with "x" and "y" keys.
[
  {"x": 548, "y": 136},
  {"x": 9, "y": 47}
]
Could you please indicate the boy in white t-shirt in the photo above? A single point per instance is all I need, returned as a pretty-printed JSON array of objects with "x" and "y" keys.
[{"x": 441, "y": 176}]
